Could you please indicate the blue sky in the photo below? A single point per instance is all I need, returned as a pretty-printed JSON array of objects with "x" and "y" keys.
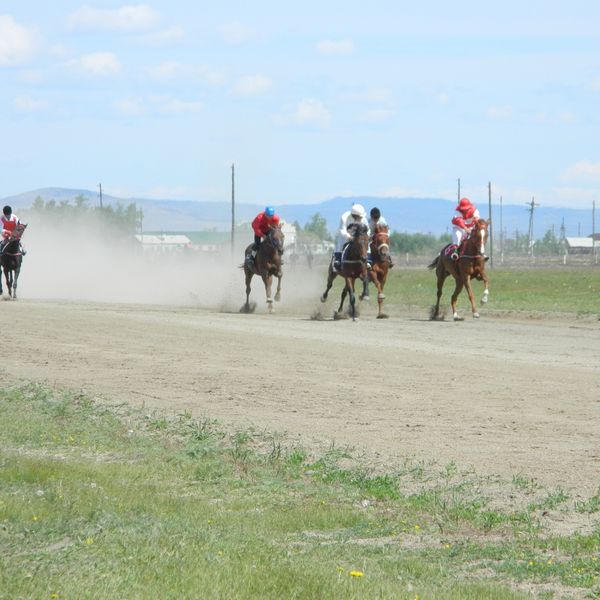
[{"x": 310, "y": 101}]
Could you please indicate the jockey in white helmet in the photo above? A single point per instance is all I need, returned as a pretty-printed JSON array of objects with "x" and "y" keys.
[{"x": 357, "y": 214}]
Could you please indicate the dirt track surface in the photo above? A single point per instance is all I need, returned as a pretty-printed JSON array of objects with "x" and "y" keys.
[{"x": 504, "y": 396}]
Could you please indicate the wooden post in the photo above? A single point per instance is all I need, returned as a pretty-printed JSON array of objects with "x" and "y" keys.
[
  {"x": 232, "y": 209},
  {"x": 491, "y": 225}
]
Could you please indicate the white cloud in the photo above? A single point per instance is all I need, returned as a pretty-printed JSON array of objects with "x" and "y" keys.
[
  {"x": 28, "y": 104},
  {"x": 311, "y": 112},
  {"x": 340, "y": 47},
  {"x": 500, "y": 112},
  {"x": 165, "y": 37},
  {"x": 375, "y": 115},
  {"x": 140, "y": 17},
  {"x": 169, "y": 71},
  {"x": 130, "y": 107},
  {"x": 97, "y": 64},
  {"x": 584, "y": 171},
  {"x": 235, "y": 34},
  {"x": 17, "y": 43},
  {"x": 173, "y": 106},
  {"x": 252, "y": 85}
]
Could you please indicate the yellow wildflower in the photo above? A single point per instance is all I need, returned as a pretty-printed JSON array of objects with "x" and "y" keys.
[{"x": 356, "y": 574}]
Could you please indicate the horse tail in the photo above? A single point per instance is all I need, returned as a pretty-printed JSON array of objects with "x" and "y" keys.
[{"x": 434, "y": 264}]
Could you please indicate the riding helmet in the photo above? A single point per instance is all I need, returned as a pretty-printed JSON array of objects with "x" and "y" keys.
[
  {"x": 269, "y": 211},
  {"x": 463, "y": 204},
  {"x": 358, "y": 210},
  {"x": 7, "y": 210}
]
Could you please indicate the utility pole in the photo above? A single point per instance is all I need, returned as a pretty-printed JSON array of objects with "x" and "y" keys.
[
  {"x": 491, "y": 224},
  {"x": 531, "y": 208},
  {"x": 501, "y": 234},
  {"x": 232, "y": 208},
  {"x": 100, "y": 186},
  {"x": 594, "y": 230},
  {"x": 563, "y": 230},
  {"x": 459, "y": 189}
]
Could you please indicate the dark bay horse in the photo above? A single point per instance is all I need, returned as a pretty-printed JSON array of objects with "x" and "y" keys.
[
  {"x": 266, "y": 264},
  {"x": 380, "y": 264},
  {"x": 470, "y": 265},
  {"x": 353, "y": 266},
  {"x": 11, "y": 260}
]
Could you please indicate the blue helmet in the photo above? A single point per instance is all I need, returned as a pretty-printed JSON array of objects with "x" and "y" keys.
[{"x": 269, "y": 211}]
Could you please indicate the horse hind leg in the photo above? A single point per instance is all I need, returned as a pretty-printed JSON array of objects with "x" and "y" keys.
[
  {"x": 330, "y": 277},
  {"x": 247, "y": 307}
]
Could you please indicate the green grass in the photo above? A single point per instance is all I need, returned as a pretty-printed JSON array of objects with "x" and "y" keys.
[
  {"x": 572, "y": 291},
  {"x": 106, "y": 502}
]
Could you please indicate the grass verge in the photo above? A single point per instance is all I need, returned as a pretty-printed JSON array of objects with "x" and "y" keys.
[{"x": 102, "y": 501}]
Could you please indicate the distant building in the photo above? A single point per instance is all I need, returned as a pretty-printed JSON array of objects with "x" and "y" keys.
[
  {"x": 163, "y": 243},
  {"x": 582, "y": 245}
]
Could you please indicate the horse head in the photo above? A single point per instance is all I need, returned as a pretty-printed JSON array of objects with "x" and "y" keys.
[
  {"x": 380, "y": 245},
  {"x": 275, "y": 237},
  {"x": 479, "y": 235},
  {"x": 360, "y": 238},
  {"x": 18, "y": 231}
]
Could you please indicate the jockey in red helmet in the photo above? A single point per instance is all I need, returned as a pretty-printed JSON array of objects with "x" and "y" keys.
[
  {"x": 261, "y": 224},
  {"x": 9, "y": 223},
  {"x": 463, "y": 221}
]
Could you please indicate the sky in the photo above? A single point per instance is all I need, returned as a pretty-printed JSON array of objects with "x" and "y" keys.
[{"x": 309, "y": 100}]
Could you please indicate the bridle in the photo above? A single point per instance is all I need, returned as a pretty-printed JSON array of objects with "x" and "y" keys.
[{"x": 276, "y": 244}]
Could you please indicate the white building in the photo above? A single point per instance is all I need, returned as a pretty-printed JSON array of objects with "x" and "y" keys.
[{"x": 163, "y": 243}]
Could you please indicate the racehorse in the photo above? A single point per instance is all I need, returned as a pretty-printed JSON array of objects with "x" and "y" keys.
[
  {"x": 11, "y": 259},
  {"x": 470, "y": 265},
  {"x": 353, "y": 265},
  {"x": 266, "y": 264},
  {"x": 380, "y": 264}
]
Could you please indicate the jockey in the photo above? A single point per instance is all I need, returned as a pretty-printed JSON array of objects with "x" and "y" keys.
[
  {"x": 9, "y": 223},
  {"x": 464, "y": 219},
  {"x": 263, "y": 221},
  {"x": 356, "y": 215},
  {"x": 377, "y": 219}
]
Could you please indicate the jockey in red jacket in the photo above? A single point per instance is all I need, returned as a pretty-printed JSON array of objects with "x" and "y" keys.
[
  {"x": 9, "y": 223},
  {"x": 464, "y": 219},
  {"x": 263, "y": 221}
]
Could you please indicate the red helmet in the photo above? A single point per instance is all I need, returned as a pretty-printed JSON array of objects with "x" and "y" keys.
[{"x": 464, "y": 204}]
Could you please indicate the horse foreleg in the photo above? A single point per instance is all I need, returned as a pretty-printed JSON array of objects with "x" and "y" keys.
[
  {"x": 249, "y": 276},
  {"x": 9, "y": 282},
  {"x": 469, "y": 289},
  {"x": 486, "y": 291},
  {"x": 343, "y": 298},
  {"x": 15, "y": 279},
  {"x": 380, "y": 295},
  {"x": 278, "y": 291},
  {"x": 457, "y": 289},
  {"x": 268, "y": 279},
  {"x": 330, "y": 277},
  {"x": 352, "y": 295}
]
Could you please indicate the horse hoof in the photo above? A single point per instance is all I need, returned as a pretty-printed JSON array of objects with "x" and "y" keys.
[
  {"x": 381, "y": 297},
  {"x": 277, "y": 297},
  {"x": 339, "y": 316},
  {"x": 457, "y": 318},
  {"x": 476, "y": 315},
  {"x": 484, "y": 300},
  {"x": 383, "y": 316},
  {"x": 323, "y": 299},
  {"x": 365, "y": 298}
]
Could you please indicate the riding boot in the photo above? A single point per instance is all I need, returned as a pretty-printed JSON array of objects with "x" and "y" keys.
[
  {"x": 337, "y": 261},
  {"x": 23, "y": 251}
]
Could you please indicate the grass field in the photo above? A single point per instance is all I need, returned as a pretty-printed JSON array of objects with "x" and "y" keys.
[
  {"x": 563, "y": 291},
  {"x": 108, "y": 502}
]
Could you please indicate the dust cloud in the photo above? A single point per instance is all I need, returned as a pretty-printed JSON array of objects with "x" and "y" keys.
[{"x": 80, "y": 265}]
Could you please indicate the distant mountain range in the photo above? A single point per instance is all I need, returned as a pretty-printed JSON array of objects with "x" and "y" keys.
[{"x": 411, "y": 215}]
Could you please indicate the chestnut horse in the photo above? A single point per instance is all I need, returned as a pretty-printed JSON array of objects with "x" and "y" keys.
[
  {"x": 470, "y": 265},
  {"x": 380, "y": 264},
  {"x": 353, "y": 266},
  {"x": 11, "y": 260},
  {"x": 266, "y": 264}
]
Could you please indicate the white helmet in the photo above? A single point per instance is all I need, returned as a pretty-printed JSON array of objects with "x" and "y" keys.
[{"x": 358, "y": 210}]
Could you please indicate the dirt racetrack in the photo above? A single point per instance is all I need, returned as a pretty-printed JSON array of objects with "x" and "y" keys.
[{"x": 504, "y": 396}]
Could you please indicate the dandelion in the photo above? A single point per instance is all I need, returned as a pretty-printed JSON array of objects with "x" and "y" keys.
[
  {"x": 89, "y": 541},
  {"x": 356, "y": 574},
  {"x": 447, "y": 546},
  {"x": 34, "y": 518},
  {"x": 531, "y": 563},
  {"x": 417, "y": 527},
  {"x": 54, "y": 595}
]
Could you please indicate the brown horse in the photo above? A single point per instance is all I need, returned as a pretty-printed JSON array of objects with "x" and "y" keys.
[
  {"x": 266, "y": 264},
  {"x": 470, "y": 265},
  {"x": 11, "y": 260},
  {"x": 380, "y": 264},
  {"x": 353, "y": 266}
]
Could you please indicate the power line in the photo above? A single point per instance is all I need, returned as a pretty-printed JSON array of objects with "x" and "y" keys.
[{"x": 532, "y": 205}]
